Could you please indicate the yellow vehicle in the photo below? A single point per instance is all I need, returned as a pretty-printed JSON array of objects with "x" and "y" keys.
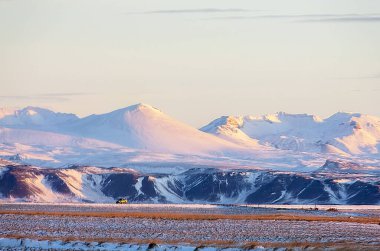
[{"x": 122, "y": 201}]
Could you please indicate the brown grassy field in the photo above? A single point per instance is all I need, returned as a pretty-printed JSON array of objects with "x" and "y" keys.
[{"x": 270, "y": 230}]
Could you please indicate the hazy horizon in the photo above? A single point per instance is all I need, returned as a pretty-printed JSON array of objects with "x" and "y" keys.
[{"x": 195, "y": 61}]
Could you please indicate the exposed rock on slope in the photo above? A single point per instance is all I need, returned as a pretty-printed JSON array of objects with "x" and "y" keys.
[{"x": 90, "y": 184}]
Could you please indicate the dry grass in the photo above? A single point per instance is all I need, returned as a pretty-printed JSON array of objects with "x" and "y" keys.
[
  {"x": 332, "y": 209},
  {"x": 186, "y": 216}
]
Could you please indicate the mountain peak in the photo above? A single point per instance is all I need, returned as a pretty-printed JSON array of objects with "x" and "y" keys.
[
  {"x": 142, "y": 106},
  {"x": 299, "y": 116},
  {"x": 34, "y": 111},
  {"x": 340, "y": 166},
  {"x": 280, "y": 117},
  {"x": 224, "y": 121},
  {"x": 344, "y": 116},
  {"x": 142, "y": 126},
  {"x": 33, "y": 116}
]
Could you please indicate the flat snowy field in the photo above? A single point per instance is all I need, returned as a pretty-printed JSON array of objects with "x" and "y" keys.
[{"x": 185, "y": 227}]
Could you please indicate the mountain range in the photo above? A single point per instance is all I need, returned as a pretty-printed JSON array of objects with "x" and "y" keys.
[{"x": 142, "y": 153}]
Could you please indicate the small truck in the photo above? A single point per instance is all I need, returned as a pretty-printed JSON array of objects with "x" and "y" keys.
[{"x": 122, "y": 201}]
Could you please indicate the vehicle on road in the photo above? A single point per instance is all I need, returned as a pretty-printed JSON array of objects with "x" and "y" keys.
[{"x": 122, "y": 201}]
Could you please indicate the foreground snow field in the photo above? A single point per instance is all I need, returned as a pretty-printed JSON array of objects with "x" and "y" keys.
[{"x": 27, "y": 226}]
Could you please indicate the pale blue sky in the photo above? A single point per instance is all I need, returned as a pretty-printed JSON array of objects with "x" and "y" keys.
[{"x": 195, "y": 60}]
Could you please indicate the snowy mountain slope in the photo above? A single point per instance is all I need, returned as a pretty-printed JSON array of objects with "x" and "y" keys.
[
  {"x": 51, "y": 149},
  {"x": 35, "y": 137},
  {"x": 228, "y": 128},
  {"x": 144, "y": 127},
  {"x": 48, "y": 149},
  {"x": 359, "y": 134},
  {"x": 142, "y": 135},
  {"x": 343, "y": 133},
  {"x": 33, "y": 117}
]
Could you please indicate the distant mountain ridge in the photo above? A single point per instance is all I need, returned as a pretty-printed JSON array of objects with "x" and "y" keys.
[
  {"x": 196, "y": 185},
  {"x": 342, "y": 133},
  {"x": 31, "y": 117},
  {"x": 142, "y": 126},
  {"x": 139, "y": 126},
  {"x": 143, "y": 154}
]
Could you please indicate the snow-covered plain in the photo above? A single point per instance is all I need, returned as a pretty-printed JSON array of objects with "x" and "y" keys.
[{"x": 372, "y": 211}]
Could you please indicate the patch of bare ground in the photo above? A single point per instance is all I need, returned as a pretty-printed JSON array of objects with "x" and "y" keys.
[{"x": 185, "y": 216}]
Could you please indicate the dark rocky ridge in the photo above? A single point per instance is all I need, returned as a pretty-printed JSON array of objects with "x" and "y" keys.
[{"x": 206, "y": 185}]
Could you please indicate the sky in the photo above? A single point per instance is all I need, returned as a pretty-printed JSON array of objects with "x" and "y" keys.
[{"x": 195, "y": 60}]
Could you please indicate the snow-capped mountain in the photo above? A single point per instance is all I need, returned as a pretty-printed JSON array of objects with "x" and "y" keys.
[
  {"x": 33, "y": 117},
  {"x": 343, "y": 133},
  {"x": 228, "y": 128},
  {"x": 143, "y": 154},
  {"x": 144, "y": 127}
]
